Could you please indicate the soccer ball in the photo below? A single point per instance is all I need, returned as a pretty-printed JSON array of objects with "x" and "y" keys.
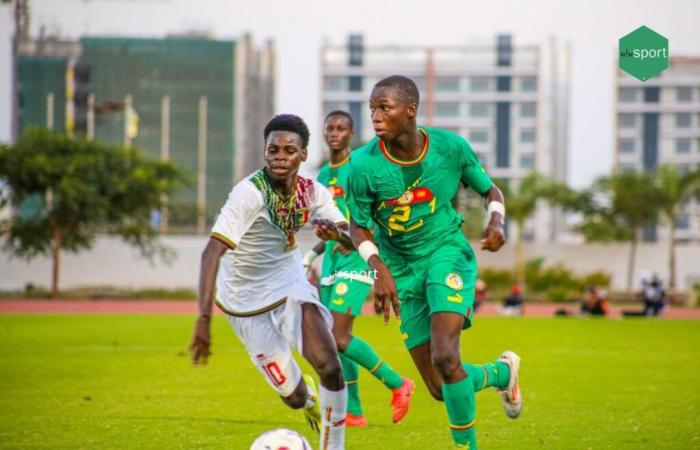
[{"x": 281, "y": 439}]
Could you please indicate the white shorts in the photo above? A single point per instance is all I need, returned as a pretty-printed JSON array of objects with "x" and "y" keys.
[{"x": 269, "y": 339}]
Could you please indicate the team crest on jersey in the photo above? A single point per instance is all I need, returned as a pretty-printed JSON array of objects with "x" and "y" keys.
[
  {"x": 454, "y": 281},
  {"x": 406, "y": 198},
  {"x": 341, "y": 289}
]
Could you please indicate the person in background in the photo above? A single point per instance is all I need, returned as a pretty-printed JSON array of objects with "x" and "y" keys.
[
  {"x": 653, "y": 295},
  {"x": 513, "y": 304},
  {"x": 480, "y": 294},
  {"x": 595, "y": 302}
]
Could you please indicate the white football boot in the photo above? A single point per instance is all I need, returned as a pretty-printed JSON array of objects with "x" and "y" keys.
[{"x": 511, "y": 397}]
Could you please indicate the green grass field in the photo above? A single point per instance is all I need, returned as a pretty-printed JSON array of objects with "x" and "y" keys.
[{"x": 125, "y": 381}]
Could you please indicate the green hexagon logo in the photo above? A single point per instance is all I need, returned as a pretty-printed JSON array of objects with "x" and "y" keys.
[{"x": 643, "y": 53}]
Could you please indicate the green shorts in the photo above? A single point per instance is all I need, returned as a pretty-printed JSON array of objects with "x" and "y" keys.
[
  {"x": 346, "y": 283},
  {"x": 440, "y": 282}
]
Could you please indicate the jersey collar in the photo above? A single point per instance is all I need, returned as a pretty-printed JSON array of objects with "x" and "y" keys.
[
  {"x": 401, "y": 162},
  {"x": 343, "y": 162}
]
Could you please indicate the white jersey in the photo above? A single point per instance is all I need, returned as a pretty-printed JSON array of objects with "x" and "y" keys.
[{"x": 260, "y": 268}]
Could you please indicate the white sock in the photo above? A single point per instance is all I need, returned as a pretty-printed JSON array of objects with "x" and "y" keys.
[{"x": 334, "y": 406}]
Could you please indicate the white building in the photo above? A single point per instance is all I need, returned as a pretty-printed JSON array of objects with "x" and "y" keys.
[
  {"x": 658, "y": 122},
  {"x": 510, "y": 101}
]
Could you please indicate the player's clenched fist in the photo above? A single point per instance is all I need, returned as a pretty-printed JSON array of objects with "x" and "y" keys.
[
  {"x": 200, "y": 341},
  {"x": 493, "y": 238}
]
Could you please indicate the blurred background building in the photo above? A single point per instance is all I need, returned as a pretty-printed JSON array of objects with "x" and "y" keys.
[
  {"x": 199, "y": 102},
  {"x": 510, "y": 101},
  {"x": 659, "y": 123}
]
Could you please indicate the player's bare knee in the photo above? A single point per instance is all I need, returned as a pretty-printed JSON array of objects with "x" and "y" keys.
[
  {"x": 330, "y": 372},
  {"x": 446, "y": 363}
]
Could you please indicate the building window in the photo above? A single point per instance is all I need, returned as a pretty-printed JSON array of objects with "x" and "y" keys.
[
  {"x": 625, "y": 168},
  {"x": 478, "y": 136},
  {"x": 528, "y": 84},
  {"x": 628, "y": 95},
  {"x": 447, "y": 109},
  {"x": 334, "y": 106},
  {"x": 479, "y": 84},
  {"x": 479, "y": 110},
  {"x": 683, "y": 120},
  {"x": 484, "y": 158},
  {"x": 447, "y": 84},
  {"x": 527, "y": 110},
  {"x": 527, "y": 162},
  {"x": 627, "y": 145},
  {"x": 684, "y": 94},
  {"x": 683, "y": 145},
  {"x": 527, "y": 136},
  {"x": 628, "y": 120},
  {"x": 335, "y": 84},
  {"x": 683, "y": 222}
]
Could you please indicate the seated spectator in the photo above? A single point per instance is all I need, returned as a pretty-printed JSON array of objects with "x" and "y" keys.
[
  {"x": 595, "y": 302},
  {"x": 653, "y": 295},
  {"x": 480, "y": 294},
  {"x": 513, "y": 304}
]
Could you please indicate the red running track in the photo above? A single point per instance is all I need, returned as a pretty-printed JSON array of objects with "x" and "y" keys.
[{"x": 190, "y": 307}]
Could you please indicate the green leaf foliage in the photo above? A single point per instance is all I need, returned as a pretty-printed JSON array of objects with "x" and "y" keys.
[{"x": 74, "y": 188}]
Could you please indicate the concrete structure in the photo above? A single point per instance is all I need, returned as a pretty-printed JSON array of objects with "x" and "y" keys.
[
  {"x": 658, "y": 122},
  {"x": 199, "y": 102},
  {"x": 111, "y": 262},
  {"x": 510, "y": 101}
]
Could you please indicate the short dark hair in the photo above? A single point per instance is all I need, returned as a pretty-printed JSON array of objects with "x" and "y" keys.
[
  {"x": 339, "y": 112},
  {"x": 288, "y": 122},
  {"x": 408, "y": 89}
]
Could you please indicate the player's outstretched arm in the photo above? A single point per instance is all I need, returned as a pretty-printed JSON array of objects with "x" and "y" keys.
[
  {"x": 329, "y": 231},
  {"x": 207, "y": 280},
  {"x": 494, "y": 237},
  {"x": 386, "y": 296}
]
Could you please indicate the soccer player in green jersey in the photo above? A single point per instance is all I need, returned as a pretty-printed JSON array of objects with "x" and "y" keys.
[
  {"x": 402, "y": 183},
  {"x": 346, "y": 281}
]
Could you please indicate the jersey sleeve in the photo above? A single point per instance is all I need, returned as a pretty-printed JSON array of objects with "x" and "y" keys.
[
  {"x": 473, "y": 174},
  {"x": 359, "y": 199},
  {"x": 237, "y": 215},
  {"x": 323, "y": 207}
]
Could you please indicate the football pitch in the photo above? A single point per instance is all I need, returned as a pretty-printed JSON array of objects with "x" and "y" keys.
[{"x": 125, "y": 381}]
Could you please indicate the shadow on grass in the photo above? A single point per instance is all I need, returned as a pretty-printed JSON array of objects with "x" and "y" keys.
[{"x": 199, "y": 419}]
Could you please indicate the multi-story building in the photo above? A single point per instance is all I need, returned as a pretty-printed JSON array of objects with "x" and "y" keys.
[
  {"x": 510, "y": 101},
  {"x": 198, "y": 102},
  {"x": 658, "y": 122}
]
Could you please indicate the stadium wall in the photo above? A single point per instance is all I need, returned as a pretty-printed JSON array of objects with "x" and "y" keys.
[{"x": 113, "y": 263}]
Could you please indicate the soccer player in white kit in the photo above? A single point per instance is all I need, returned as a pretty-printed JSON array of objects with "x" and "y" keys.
[{"x": 261, "y": 283}]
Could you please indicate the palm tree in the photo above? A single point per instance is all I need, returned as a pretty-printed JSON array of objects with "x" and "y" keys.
[
  {"x": 674, "y": 190},
  {"x": 521, "y": 204},
  {"x": 619, "y": 206}
]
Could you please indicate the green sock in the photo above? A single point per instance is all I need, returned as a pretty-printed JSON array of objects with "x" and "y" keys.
[
  {"x": 360, "y": 352},
  {"x": 351, "y": 373},
  {"x": 496, "y": 374},
  {"x": 460, "y": 402}
]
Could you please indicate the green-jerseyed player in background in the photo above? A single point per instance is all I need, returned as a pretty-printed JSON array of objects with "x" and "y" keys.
[
  {"x": 345, "y": 282},
  {"x": 402, "y": 183}
]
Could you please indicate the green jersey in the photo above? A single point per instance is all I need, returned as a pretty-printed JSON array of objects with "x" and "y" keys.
[
  {"x": 335, "y": 177},
  {"x": 411, "y": 201}
]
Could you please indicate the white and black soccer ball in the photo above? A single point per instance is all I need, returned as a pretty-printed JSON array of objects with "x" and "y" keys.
[{"x": 281, "y": 439}]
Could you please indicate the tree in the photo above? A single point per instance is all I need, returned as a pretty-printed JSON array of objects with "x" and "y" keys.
[
  {"x": 64, "y": 191},
  {"x": 674, "y": 190},
  {"x": 521, "y": 204},
  {"x": 617, "y": 207}
]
